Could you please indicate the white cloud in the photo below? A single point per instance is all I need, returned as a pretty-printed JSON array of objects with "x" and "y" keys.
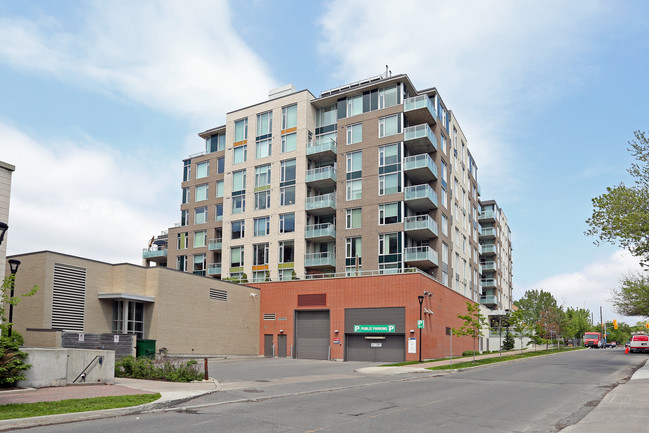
[
  {"x": 177, "y": 57},
  {"x": 85, "y": 199},
  {"x": 494, "y": 62},
  {"x": 591, "y": 286}
]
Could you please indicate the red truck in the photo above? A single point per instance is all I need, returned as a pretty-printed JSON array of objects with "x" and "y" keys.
[{"x": 593, "y": 339}]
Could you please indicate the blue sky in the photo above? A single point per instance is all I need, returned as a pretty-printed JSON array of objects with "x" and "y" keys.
[{"x": 100, "y": 101}]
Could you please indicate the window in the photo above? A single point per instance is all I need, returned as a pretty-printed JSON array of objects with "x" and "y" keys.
[
  {"x": 202, "y": 169},
  {"x": 289, "y": 142},
  {"x": 215, "y": 143},
  {"x": 286, "y": 251},
  {"x": 236, "y": 257},
  {"x": 263, "y": 148},
  {"x": 264, "y": 123},
  {"x": 352, "y": 248},
  {"x": 219, "y": 188},
  {"x": 353, "y": 218},
  {"x": 199, "y": 264},
  {"x": 240, "y": 130},
  {"x": 285, "y": 274},
  {"x": 388, "y": 243},
  {"x": 354, "y": 105},
  {"x": 389, "y": 155},
  {"x": 260, "y": 254},
  {"x": 220, "y": 165},
  {"x": 287, "y": 171},
  {"x": 443, "y": 197},
  {"x": 200, "y": 215},
  {"x": 239, "y": 204},
  {"x": 262, "y": 226},
  {"x": 287, "y": 223},
  {"x": 355, "y": 163},
  {"x": 289, "y": 117},
  {"x": 326, "y": 116},
  {"x": 354, "y": 189},
  {"x": 444, "y": 253},
  {"x": 240, "y": 154},
  {"x": 389, "y": 213},
  {"x": 389, "y": 125},
  {"x": 128, "y": 318},
  {"x": 287, "y": 195},
  {"x": 184, "y": 217},
  {"x": 187, "y": 170},
  {"x": 442, "y": 166},
  {"x": 238, "y": 229},
  {"x": 186, "y": 195},
  {"x": 219, "y": 212},
  {"x": 262, "y": 199},
  {"x": 200, "y": 239},
  {"x": 262, "y": 175},
  {"x": 181, "y": 263},
  {"x": 182, "y": 241},
  {"x": 389, "y": 183},
  {"x": 354, "y": 133},
  {"x": 444, "y": 225},
  {"x": 239, "y": 181},
  {"x": 201, "y": 192},
  {"x": 388, "y": 96}
]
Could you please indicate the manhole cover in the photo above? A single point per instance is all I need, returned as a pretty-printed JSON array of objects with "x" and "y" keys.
[
  {"x": 252, "y": 390},
  {"x": 262, "y": 380}
]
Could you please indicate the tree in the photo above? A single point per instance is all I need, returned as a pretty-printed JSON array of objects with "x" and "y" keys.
[
  {"x": 508, "y": 342},
  {"x": 520, "y": 327},
  {"x": 621, "y": 215},
  {"x": 632, "y": 297},
  {"x": 534, "y": 303},
  {"x": 577, "y": 322},
  {"x": 473, "y": 324}
]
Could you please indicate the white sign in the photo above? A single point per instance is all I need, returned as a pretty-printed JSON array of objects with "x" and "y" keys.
[
  {"x": 412, "y": 345},
  {"x": 81, "y": 337},
  {"x": 376, "y": 344},
  {"x": 115, "y": 338}
]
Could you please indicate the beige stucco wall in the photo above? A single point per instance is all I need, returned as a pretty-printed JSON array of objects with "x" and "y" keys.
[{"x": 181, "y": 318}]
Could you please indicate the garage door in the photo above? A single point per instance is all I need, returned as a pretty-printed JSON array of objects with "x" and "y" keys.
[
  {"x": 312, "y": 334},
  {"x": 375, "y": 348}
]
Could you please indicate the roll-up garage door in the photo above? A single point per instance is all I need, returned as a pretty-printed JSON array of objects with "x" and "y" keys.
[
  {"x": 375, "y": 348},
  {"x": 312, "y": 334},
  {"x": 375, "y": 334}
]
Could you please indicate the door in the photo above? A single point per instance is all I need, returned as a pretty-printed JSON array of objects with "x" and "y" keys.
[
  {"x": 312, "y": 334},
  {"x": 281, "y": 345},
  {"x": 268, "y": 345}
]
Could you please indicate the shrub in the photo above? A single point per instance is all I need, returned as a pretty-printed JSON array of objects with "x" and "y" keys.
[
  {"x": 144, "y": 368},
  {"x": 469, "y": 353},
  {"x": 12, "y": 360}
]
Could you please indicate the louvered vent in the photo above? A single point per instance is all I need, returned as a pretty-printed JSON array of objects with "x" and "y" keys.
[
  {"x": 68, "y": 297},
  {"x": 219, "y": 295},
  {"x": 269, "y": 316}
]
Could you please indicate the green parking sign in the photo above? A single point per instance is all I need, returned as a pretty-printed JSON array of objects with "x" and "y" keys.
[
  {"x": 375, "y": 328},
  {"x": 420, "y": 324}
]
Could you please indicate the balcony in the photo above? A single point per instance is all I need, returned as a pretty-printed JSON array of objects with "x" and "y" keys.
[
  {"x": 155, "y": 254},
  {"x": 420, "y": 198},
  {"x": 420, "y": 227},
  {"x": 213, "y": 269},
  {"x": 488, "y": 267},
  {"x": 215, "y": 244},
  {"x": 420, "y": 139},
  {"x": 321, "y": 150},
  {"x": 420, "y": 109},
  {"x": 321, "y": 204},
  {"x": 488, "y": 300},
  {"x": 320, "y": 260},
  {"x": 488, "y": 283},
  {"x": 488, "y": 249},
  {"x": 420, "y": 257},
  {"x": 487, "y": 216},
  {"x": 320, "y": 232},
  {"x": 321, "y": 177},
  {"x": 488, "y": 233},
  {"x": 420, "y": 168}
]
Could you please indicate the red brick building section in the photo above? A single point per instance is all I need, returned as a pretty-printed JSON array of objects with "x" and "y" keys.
[{"x": 279, "y": 303}]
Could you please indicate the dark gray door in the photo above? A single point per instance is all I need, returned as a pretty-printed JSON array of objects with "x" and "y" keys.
[
  {"x": 312, "y": 334},
  {"x": 268, "y": 345},
  {"x": 281, "y": 345},
  {"x": 384, "y": 348}
]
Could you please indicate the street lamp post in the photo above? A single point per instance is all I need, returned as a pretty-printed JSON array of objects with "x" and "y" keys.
[
  {"x": 13, "y": 266},
  {"x": 421, "y": 302},
  {"x": 3, "y": 229}
]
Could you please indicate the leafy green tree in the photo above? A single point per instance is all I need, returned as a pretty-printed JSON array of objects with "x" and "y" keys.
[
  {"x": 621, "y": 215},
  {"x": 632, "y": 297},
  {"x": 534, "y": 303},
  {"x": 577, "y": 322},
  {"x": 520, "y": 327},
  {"x": 473, "y": 324}
]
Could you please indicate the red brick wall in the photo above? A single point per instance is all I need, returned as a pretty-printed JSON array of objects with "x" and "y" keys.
[{"x": 400, "y": 290}]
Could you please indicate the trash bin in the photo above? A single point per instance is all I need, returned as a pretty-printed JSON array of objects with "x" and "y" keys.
[{"x": 145, "y": 348}]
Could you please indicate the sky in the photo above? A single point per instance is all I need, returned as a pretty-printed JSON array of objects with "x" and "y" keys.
[{"x": 101, "y": 100}]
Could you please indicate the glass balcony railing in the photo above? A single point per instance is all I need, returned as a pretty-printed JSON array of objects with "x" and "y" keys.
[
  {"x": 319, "y": 146},
  {"x": 321, "y": 201},
  {"x": 420, "y": 254},
  {"x": 320, "y": 259},
  {"x": 149, "y": 253},
  {"x": 488, "y": 299},
  {"x": 321, "y": 173},
  {"x": 488, "y": 231},
  {"x": 488, "y": 248},
  {"x": 320, "y": 230},
  {"x": 421, "y": 222},
  {"x": 421, "y": 193},
  {"x": 420, "y": 132},
  {"x": 489, "y": 266},
  {"x": 213, "y": 269},
  {"x": 487, "y": 215},
  {"x": 488, "y": 282},
  {"x": 418, "y": 102},
  {"x": 215, "y": 244},
  {"x": 423, "y": 160}
]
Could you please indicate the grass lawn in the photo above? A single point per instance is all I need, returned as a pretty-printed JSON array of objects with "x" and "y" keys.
[
  {"x": 509, "y": 357},
  {"x": 26, "y": 410}
]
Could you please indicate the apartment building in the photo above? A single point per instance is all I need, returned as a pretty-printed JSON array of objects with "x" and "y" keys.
[
  {"x": 373, "y": 176},
  {"x": 495, "y": 257}
]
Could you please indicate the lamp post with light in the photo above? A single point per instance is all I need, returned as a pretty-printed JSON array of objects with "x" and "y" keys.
[
  {"x": 13, "y": 266},
  {"x": 421, "y": 301}
]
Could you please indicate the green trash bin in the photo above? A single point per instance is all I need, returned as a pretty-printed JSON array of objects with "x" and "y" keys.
[{"x": 145, "y": 348}]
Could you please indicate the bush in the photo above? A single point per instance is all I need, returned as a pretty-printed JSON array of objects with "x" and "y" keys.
[
  {"x": 508, "y": 342},
  {"x": 12, "y": 365},
  {"x": 470, "y": 353},
  {"x": 144, "y": 368}
]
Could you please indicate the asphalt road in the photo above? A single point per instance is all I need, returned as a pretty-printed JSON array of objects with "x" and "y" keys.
[{"x": 541, "y": 394}]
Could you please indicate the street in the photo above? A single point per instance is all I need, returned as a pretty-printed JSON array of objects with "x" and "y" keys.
[{"x": 543, "y": 394}]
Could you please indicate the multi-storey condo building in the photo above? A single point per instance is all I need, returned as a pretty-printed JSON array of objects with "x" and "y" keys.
[
  {"x": 495, "y": 257},
  {"x": 371, "y": 176}
]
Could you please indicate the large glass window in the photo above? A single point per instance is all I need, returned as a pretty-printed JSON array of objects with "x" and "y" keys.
[
  {"x": 287, "y": 171},
  {"x": 354, "y": 105},
  {"x": 289, "y": 142},
  {"x": 220, "y": 165},
  {"x": 263, "y": 148},
  {"x": 240, "y": 130},
  {"x": 182, "y": 241},
  {"x": 215, "y": 143},
  {"x": 201, "y": 192},
  {"x": 200, "y": 238},
  {"x": 388, "y": 243},
  {"x": 388, "y": 96},
  {"x": 239, "y": 204},
  {"x": 260, "y": 254},
  {"x": 353, "y": 218},
  {"x": 219, "y": 188},
  {"x": 238, "y": 229},
  {"x": 389, "y": 183},
  {"x": 389, "y": 213},
  {"x": 200, "y": 215},
  {"x": 236, "y": 256},
  {"x": 262, "y": 199},
  {"x": 239, "y": 181},
  {"x": 353, "y": 247},
  {"x": 262, "y": 175},
  {"x": 287, "y": 223},
  {"x": 219, "y": 212},
  {"x": 181, "y": 263},
  {"x": 286, "y": 252},
  {"x": 262, "y": 226},
  {"x": 354, "y": 133},
  {"x": 289, "y": 117},
  {"x": 389, "y": 154},
  {"x": 184, "y": 217},
  {"x": 187, "y": 170},
  {"x": 202, "y": 169},
  {"x": 326, "y": 116},
  {"x": 240, "y": 154},
  {"x": 354, "y": 189},
  {"x": 389, "y": 125},
  {"x": 355, "y": 162},
  {"x": 128, "y": 318},
  {"x": 264, "y": 123},
  {"x": 186, "y": 195},
  {"x": 287, "y": 195}
]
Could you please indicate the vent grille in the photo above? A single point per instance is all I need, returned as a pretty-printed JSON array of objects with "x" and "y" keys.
[
  {"x": 311, "y": 300},
  {"x": 219, "y": 295},
  {"x": 68, "y": 297},
  {"x": 269, "y": 316}
]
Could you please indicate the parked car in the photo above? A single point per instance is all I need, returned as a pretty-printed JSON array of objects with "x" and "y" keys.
[
  {"x": 611, "y": 344},
  {"x": 639, "y": 343}
]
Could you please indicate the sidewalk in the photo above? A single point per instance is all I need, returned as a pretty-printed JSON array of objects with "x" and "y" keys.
[{"x": 171, "y": 393}]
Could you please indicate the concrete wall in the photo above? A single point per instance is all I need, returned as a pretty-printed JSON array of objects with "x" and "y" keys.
[{"x": 60, "y": 367}]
